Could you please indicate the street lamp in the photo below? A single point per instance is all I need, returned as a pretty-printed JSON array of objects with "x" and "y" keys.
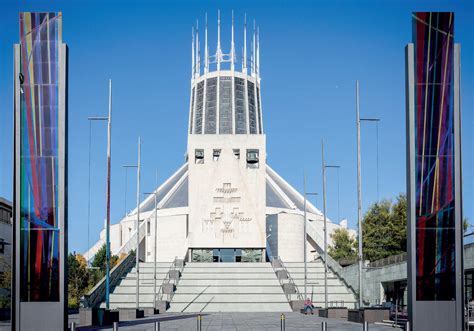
[
  {"x": 107, "y": 193},
  {"x": 155, "y": 248},
  {"x": 139, "y": 313},
  {"x": 359, "y": 190},
  {"x": 324, "y": 166},
  {"x": 305, "y": 235}
]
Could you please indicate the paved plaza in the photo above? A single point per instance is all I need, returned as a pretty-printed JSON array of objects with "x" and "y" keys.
[{"x": 237, "y": 322}]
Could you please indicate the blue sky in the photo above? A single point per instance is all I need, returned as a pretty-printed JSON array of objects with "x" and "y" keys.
[{"x": 311, "y": 54}]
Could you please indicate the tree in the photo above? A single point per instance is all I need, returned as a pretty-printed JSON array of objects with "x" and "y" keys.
[
  {"x": 343, "y": 246},
  {"x": 100, "y": 260},
  {"x": 384, "y": 229},
  {"x": 78, "y": 279}
]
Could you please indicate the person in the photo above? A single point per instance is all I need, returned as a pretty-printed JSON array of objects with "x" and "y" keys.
[{"x": 308, "y": 305}]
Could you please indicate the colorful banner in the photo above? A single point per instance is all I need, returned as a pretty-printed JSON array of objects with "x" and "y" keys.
[
  {"x": 434, "y": 145},
  {"x": 40, "y": 37}
]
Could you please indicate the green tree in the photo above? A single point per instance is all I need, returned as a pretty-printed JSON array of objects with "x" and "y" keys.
[
  {"x": 78, "y": 279},
  {"x": 384, "y": 229},
  {"x": 100, "y": 260},
  {"x": 343, "y": 246}
]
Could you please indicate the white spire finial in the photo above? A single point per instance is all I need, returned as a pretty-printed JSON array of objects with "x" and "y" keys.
[
  {"x": 218, "y": 52},
  {"x": 253, "y": 51},
  {"x": 258, "y": 51},
  {"x": 192, "y": 52},
  {"x": 232, "y": 46},
  {"x": 244, "y": 55},
  {"x": 206, "y": 51},
  {"x": 198, "y": 56}
]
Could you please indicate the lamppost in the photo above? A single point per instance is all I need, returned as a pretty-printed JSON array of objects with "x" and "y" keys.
[
  {"x": 139, "y": 313},
  {"x": 359, "y": 191},
  {"x": 324, "y": 166},
  {"x": 155, "y": 245},
  {"x": 107, "y": 192},
  {"x": 305, "y": 235}
]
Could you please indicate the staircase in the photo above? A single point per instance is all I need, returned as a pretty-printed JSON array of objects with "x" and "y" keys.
[
  {"x": 229, "y": 287},
  {"x": 123, "y": 296},
  {"x": 338, "y": 293}
]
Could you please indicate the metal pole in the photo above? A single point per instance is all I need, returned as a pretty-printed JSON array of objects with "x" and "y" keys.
[
  {"x": 304, "y": 240},
  {"x": 324, "y": 326},
  {"x": 359, "y": 198},
  {"x": 116, "y": 326},
  {"x": 109, "y": 143},
  {"x": 73, "y": 326},
  {"x": 156, "y": 226},
  {"x": 325, "y": 230},
  {"x": 157, "y": 326},
  {"x": 137, "y": 258},
  {"x": 366, "y": 326}
]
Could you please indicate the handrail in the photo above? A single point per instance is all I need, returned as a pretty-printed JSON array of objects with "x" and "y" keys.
[
  {"x": 290, "y": 279},
  {"x": 167, "y": 280},
  {"x": 131, "y": 243},
  {"x": 97, "y": 294}
]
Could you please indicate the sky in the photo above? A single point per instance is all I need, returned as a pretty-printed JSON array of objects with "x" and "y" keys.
[{"x": 311, "y": 54}]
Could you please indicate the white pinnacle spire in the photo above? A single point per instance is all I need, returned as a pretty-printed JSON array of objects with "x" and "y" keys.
[
  {"x": 253, "y": 51},
  {"x": 206, "y": 51},
  {"x": 198, "y": 56},
  {"x": 258, "y": 51},
  {"x": 218, "y": 52},
  {"x": 244, "y": 55},
  {"x": 232, "y": 46},
  {"x": 192, "y": 52}
]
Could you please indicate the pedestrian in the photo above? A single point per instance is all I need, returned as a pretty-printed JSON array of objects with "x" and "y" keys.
[{"x": 308, "y": 305}]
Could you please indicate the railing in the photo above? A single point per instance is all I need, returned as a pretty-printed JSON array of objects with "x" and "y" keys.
[
  {"x": 167, "y": 280},
  {"x": 290, "y": 279},
  {"x": 332, "y": 264},
  {"x": 97, "y": 294},
  {"x": 389, "y": 260},
  {"x": 132, "y": 241}
]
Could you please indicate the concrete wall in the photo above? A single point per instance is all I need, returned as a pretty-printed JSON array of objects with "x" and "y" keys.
[
  {"x": 226, "y": 198},
  {"x": 285, "y": 236}
]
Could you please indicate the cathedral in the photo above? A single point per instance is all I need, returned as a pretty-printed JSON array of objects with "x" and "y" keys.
[{"x": 225, "y": 203}]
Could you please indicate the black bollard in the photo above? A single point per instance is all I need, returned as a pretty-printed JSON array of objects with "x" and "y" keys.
[
  {"x": 365, "y": 326},
  {"x": 157, "y": 326},
  {"x": 199, "y": 319},
  {"x": 324, "y": 326},
  {"x": 282, "y": 322}
]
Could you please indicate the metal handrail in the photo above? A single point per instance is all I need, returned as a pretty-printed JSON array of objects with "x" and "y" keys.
[
  {"x": 290, "y": 279},
  {"x": 167, "y": 280},
  {"x": 97, "y": 294}
]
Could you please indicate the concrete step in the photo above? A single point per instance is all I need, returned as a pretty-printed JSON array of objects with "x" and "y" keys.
[
  {"x": 142, "y": 282},
  {"x": 230, "y": 307},
  {"x": 223, "y": 282},
  {"x": 230, "y": 275},
  {"x": 266, "y": 270},
  {"x": 232, "y": 297},
  {"x": 228, "y": 289},
  {"x": 255, "y": 265}
]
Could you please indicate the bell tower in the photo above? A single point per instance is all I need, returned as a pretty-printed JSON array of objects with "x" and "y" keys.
[{"x": 226, "y": 147}]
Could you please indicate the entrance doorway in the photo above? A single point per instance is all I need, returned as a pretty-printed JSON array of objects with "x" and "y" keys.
[{"x": 227, "y": 255}]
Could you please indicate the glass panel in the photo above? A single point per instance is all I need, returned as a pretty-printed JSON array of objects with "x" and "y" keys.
[
  {"x": 211, "y": 104},
  {"x": 240, "y": 114},
  {"x": 225, "y": 105},
  {"x": 39, "y": 157},
  {"x": 192, "y": 112},
  {"x": 259, "y": 112},
  {"x": 199, "y": 106},
  {"x": 252, "y": 112}
]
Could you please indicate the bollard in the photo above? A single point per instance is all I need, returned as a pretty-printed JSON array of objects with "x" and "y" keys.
[
  {"x": 282, "y": 322},
  {"x": 73, "y": 326},
  {"x": 157, "y": 326},
  {"x": 407, "y": 326},
  {"x": 199, "y": 319},
  {"x": 365, "y": 326},
  {"x": 116, "y": 326},
  {"x": 324, "y": 326}
]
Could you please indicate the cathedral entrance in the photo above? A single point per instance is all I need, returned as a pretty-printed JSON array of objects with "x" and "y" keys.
[{"x": 227, "y": 255}]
